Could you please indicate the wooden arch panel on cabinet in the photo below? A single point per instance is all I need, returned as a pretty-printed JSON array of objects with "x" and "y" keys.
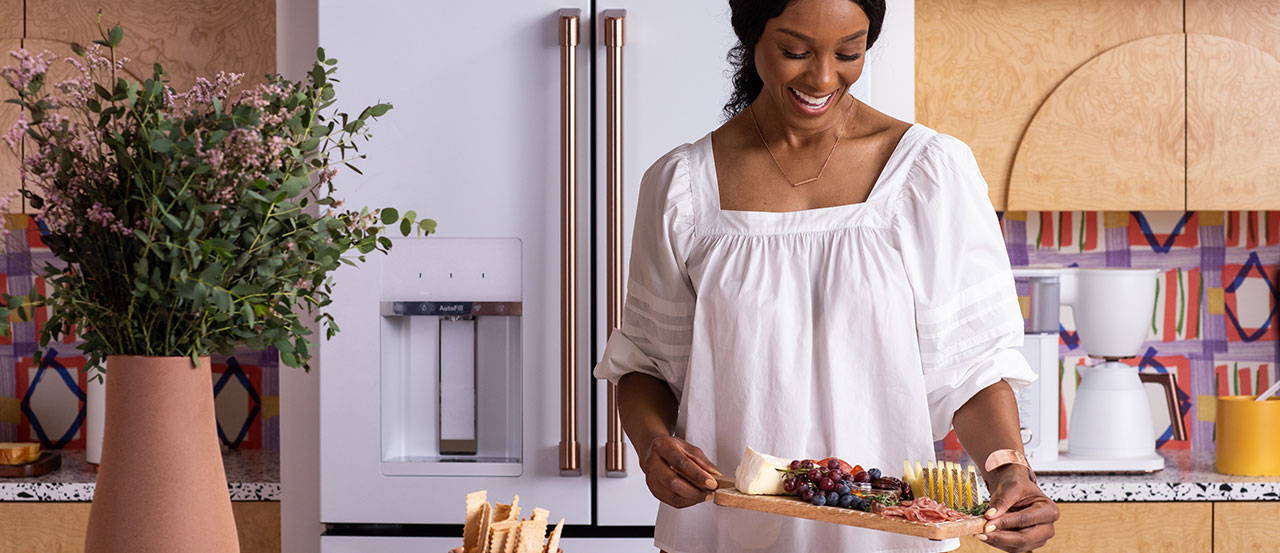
[
  {"x": 1233, "y": 116},
  {"x": 983, "y": 67},
  {"x": 1112, "y": 134}
]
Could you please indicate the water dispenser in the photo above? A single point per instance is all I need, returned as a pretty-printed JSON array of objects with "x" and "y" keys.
[{"x": 450, "y": 358}]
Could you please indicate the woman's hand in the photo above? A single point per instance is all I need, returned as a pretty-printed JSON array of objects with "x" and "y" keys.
[
  {"x": 678, "y": 473},
  {"x": 1021, "y": 516}
]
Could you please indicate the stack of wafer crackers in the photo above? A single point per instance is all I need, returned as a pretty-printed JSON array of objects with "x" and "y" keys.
[{"x": 499, "y": 529}]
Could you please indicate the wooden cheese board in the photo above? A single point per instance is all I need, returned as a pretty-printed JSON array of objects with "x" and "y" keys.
[
  {"x": 791, "y": 506},
  {"x": 48, "y": 461}
]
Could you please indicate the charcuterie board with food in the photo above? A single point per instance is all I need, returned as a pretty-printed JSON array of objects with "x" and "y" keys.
[{"x": 936, "y": 501}]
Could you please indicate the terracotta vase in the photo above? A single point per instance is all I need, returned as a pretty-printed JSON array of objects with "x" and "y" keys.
[{"x": 161, "y": 486}]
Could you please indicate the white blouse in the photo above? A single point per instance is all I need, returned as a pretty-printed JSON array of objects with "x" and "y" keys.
[{"x": 854, "y": 331}]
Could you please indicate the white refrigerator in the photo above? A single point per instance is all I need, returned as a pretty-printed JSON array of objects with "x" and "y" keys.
[{"x": 464, "y": 360}]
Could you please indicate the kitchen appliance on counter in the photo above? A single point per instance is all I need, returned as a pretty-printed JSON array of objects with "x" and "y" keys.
[
  {"x": 523, "y": 127},
  {"x": 1110, "y": 428}
]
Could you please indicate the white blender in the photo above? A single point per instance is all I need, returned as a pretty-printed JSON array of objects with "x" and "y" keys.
[{"x": 1111, "y": 428}]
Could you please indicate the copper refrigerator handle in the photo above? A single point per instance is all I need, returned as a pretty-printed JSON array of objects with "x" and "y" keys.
[
  {"x": 569, "y": 449},
  {"x": 1170, "y": 383},
  {"x": 615, "y": 461}
]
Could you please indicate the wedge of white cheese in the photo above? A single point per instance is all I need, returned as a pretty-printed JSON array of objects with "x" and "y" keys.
[{"x": 758, "y": 474}]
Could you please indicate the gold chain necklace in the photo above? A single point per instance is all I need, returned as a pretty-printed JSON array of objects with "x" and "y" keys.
[{"x": 751, "y": 109}]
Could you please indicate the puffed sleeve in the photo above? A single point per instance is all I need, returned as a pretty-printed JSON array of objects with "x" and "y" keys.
[
  {"x": 657, "y": 319},
  {"x": 968, "y": 322}
]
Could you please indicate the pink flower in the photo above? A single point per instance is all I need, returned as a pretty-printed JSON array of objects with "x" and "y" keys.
[{"x": 29, "y": 66}]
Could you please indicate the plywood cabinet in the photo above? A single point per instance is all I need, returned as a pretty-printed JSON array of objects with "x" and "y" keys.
[
  {"x": 1087, "y": 527},
  {"x": 985, "y": 67},
  {"x": 1245, "y": 527},
  {"x": 1233, "y": 104},
  {"x": 1119, "y": 105},
  {"x": 189, "y": 37},
  {"x": 60, "y": 527}
]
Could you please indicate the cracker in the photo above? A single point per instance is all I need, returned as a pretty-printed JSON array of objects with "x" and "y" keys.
[
  {"x": 482, "y": 533},
  {"x": 553, "y": 543},
  {"x": 532, "y": 533},
  {"x": 502, "y": 533},
  {"x": 514, "y": 513},
  {"x": 471, "y": 524},
  {"x": 513, "y": 538},
  {"x": 540, "y": 514}
]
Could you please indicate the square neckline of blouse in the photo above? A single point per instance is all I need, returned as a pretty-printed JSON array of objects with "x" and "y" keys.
[{"x": 875, "y": 186}]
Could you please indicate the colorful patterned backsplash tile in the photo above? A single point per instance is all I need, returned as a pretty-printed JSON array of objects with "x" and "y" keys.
[
  {"x": 44, "y": 401},
  {"x": 1214, "y": 321}
]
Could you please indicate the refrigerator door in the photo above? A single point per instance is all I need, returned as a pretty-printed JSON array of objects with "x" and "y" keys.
[
  {"x": 672, "y": 92},
  {"x": 474, "y": 141}
]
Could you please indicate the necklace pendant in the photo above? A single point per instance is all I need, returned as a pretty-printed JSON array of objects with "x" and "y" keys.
[{"x": 805, "y": 181}]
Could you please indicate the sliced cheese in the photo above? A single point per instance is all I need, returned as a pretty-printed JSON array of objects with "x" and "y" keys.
[
  {"x": 18, "y": 453},
  {"x": 758, "y": 474}
]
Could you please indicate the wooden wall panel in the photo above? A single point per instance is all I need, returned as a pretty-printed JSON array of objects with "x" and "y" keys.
[
  {"x": 60, "y": 527},
  {"x": 10, "y": 21},
  {"x": 1233, "y": 110},
  {"x": 1245, "y": 527},
  {"x": 983, "y": 67},
  {"x": 9, "y": 177},
  {"x": 189, "y": 37},
  {"x": 1113, "y": 134},
  {"x": 1163, "y": 527},
  {"x": 1253, "y": 22}
]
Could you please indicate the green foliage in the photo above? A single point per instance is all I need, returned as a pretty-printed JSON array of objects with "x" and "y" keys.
[{"x": 188, "y": 223}]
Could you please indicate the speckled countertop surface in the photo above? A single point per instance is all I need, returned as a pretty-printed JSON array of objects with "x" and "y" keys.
[
  {"x": 1187, "y": 476},
  {"x": 252, "y": 475}
]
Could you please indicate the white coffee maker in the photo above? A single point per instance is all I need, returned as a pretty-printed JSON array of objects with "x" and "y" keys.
[{"x": 1111, "y": 428}]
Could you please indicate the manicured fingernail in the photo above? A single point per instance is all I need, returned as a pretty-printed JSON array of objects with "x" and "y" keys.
[
  {"x": 991, "y": 512},
  {"x": 990, "y": 528},
  {"x": 981, "y": 537}
]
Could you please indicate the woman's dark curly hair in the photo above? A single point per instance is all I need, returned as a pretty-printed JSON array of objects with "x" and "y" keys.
[{"x": 748, "y": 19}]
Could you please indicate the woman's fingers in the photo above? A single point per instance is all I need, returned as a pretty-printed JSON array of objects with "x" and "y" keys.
[
  {"x": 1019, "y": 541},
  {"x": 685, "y": 465},
  {"x": 1035, "y": 513},
  {"x": 702, "y": 460},
  {"x": 670, "y": 487}
]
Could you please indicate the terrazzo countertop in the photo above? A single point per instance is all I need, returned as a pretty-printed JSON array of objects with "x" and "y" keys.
[
  {"x": 1187, "y": 477},
  {"x": 252, "y": 475}
]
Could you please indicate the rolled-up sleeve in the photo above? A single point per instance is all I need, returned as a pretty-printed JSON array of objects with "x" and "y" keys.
[
  {"x": 968, "y": 321},
  {"x": 657, "y": 319}
]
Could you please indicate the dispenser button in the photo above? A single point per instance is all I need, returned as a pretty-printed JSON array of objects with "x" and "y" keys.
[{"x": 1026, "y": 435}]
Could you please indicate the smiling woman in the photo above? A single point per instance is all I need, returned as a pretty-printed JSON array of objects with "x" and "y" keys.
[{"x": 816, "y": 278}]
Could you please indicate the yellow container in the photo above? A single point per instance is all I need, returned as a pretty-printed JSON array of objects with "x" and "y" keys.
[{"x": 1248, "y": 436}]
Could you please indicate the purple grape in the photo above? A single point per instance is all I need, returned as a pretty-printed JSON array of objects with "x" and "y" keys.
[
  {"x": 833, "y": 464},
  {"x": 795, "y": 465},
  {"x": 789, "y": 485},
  {"x": 807, "y": 494},
  {"x": 814, "y": 475},
  {"x": 827, "y": 485},
  {"x": 862, "y": 477},
  {"x": 806, "y": 464}
]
